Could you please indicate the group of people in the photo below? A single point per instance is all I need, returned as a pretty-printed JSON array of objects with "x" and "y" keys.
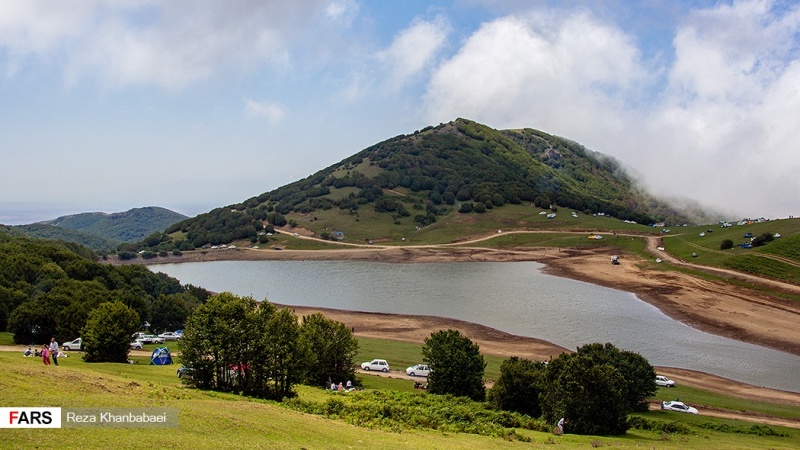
[
  {"x": 341, "y": 387},
  {"x": 47, "y": 352}
]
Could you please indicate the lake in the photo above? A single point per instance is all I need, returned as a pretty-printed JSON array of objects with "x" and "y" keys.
[{"x": 515, "y": 297}]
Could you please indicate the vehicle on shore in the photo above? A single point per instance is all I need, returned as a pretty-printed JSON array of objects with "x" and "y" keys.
[
  {"x": 376, "y": 364},
  {"x": 664, "y": 381},
  {"x": 679, "y": 407},
  {"x": 419, "y": 370}
]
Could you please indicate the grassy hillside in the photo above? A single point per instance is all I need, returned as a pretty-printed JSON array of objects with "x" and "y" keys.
[{"x": 215, "y": 420}]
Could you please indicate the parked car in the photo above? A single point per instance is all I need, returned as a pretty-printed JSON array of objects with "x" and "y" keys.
[
  {"x": 136, "y": 345},
  {"x": 170, "y": 336},
  {"x": 664, "y": 381},
  {"x": 376, "y": 364},
  {"x": 150, "y": 339},
  {"x": 73, "y": 345},
  {"x": 419, "y": 370},
  {"x": 185, "y": 372},
  {"x": 678, "y": 406}
]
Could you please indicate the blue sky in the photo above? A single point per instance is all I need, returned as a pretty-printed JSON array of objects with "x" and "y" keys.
[{"x": 190, "y": 105}]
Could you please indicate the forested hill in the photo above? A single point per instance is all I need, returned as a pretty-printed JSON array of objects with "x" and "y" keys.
[
  {"x": 132, "y": 225},
  {"x": 48, "y": 288},
  {"x": 101, "y": 231},
  {"x": 459, "y": 167}
]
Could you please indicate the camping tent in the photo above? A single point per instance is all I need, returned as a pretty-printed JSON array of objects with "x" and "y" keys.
[{"x": 161, "y": 357}]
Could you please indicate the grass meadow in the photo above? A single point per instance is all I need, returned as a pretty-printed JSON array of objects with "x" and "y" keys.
[{"x": 218, "y": 420}]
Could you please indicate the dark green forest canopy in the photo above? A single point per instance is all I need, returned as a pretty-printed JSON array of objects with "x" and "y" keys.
[
  {"x": 437, "y": 169},
  {"x": 48, "y": 288}
]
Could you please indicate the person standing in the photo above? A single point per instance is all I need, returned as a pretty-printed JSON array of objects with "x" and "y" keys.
[
  {"x": 45, "y": 355},
  {"x": 54, "y": 350}
]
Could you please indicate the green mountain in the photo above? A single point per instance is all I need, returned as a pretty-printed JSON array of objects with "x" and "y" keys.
[
  {"x": 461, "y": 167},
  {"x": 101, "y": 231},
  {"x": 129, "y": 226},
  {"x": 56, "y": 233}
]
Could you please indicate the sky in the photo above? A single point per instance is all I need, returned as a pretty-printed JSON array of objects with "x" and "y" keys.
[{"x": 107, "y": 105}]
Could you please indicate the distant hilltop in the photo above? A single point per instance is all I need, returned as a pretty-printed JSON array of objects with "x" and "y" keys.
[
  {"x": 103, "y": 231},
  {"x": 461, "y": 168}
]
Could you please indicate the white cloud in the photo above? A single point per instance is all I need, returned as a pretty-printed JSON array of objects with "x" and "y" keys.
[
  {"x": 413, "y": 50},
  {"x": 720, "y": 128},
  {"x": 728, "y": 120},
  {"x": 273, "y": 112},
  {"x": 169, "y": 44},
  {"x": 538, "y": 70}
]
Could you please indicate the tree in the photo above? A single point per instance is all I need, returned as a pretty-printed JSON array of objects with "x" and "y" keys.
[
  {"x": 170, "y": 311},
  {"x": 331, "y": 350},
  {"x": 636, "y": 371},
  {"x": 518, "y": 387},
  {"x": 216, "y": 339},
  {"x": 457, "y": 365},
  {"x": 596, "y": 387},
  {"x": 235, "y": 344},
  {"x": 107, "y": 334},
  {"x": 588, "y": 395},
  {"x": 285, "y": 354}
]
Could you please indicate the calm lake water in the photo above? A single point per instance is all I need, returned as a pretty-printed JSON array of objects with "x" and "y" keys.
[{"x": 515, "y": 297}]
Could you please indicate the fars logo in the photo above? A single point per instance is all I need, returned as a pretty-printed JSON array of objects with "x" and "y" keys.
[{"x": 24, "y": 417}]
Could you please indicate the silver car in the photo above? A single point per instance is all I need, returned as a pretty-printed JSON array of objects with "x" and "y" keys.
[
  {"x": 679, "y": 407},
  {"x": 419, "y": 370}
]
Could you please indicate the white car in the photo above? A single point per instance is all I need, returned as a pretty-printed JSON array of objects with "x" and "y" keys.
[
  {"x": 664, "y": 381},
  {"x": 678, "y": 406},
  {"x": 74, "y": 345},
  {"x": 136, "y": 345},
  {"x": 419, "y": 370},
  {"x": 376, "y": 364},
  {"x": 170, "y": 336}
]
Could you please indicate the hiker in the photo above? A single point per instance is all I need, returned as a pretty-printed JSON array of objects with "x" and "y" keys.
[
  {"x": 54, "y": 350},
  {"x": 45, "y": 355}
]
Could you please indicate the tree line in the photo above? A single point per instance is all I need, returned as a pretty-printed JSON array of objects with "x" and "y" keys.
[
  {"x": 593, "y": 389},
  {"x": 236, "y": 344},
  {"x": 49, "y": 288}
]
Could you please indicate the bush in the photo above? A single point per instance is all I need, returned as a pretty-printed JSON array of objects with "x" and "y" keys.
[
  {"x": 726, "y": 244},
  {"x": 395, "y": 411}
]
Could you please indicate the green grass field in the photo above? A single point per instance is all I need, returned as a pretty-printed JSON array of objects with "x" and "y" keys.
[{"x": 216, "y": 420}]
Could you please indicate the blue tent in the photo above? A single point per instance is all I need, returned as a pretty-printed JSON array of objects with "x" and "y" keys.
[{"x": 161, "y": 357}]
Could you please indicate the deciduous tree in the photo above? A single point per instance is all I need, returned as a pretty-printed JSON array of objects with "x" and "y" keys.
[
  {"x": 107, "y": 334},
  {"x": 457, "y": 365}
]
